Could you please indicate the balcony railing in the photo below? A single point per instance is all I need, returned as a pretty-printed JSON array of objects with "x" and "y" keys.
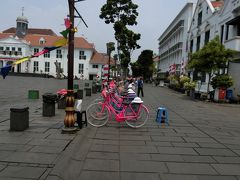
[{"x": 233, "y": 43}]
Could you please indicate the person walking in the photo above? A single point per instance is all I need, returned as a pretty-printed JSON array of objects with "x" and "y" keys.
[{"x": 140, "y": 86}]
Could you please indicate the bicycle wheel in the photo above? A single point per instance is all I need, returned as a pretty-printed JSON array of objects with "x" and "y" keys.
[
  {"x": 97, "y": 114},
  {"x": 142, "y": 117}
]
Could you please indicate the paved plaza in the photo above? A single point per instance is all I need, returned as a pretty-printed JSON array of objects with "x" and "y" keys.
[{"x": 202, "y": 141}]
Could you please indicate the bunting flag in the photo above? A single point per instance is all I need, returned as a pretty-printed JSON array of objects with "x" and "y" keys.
[
  {"x": 65, "y": 33},
  {"x": 59, "y": 43},
  {"x": 40, "y": 53},
  {"x": 67, "y": 23}
]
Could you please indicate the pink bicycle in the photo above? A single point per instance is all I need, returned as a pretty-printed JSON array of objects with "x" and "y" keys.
[{"x": 134, "y": 113}]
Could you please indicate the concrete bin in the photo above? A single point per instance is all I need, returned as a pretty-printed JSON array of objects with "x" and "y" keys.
[
  {"x": 49, "y": 100},
  {"x": 19, "y": 119}
]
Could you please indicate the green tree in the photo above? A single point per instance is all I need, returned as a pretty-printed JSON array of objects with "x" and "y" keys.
[
  {"x": 122, "y": 14},
  {"x": 144, "y": 65},
  {"x": 210, "y": 59}
]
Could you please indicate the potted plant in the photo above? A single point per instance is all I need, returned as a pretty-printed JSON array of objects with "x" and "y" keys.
[{"x": 190, "y": 88}]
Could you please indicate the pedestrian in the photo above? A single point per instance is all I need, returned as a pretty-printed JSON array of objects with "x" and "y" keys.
[{"x": 140, "y": 86}]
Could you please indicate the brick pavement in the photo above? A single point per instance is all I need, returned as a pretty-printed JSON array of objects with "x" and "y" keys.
[{"x": 201, "y": 143}]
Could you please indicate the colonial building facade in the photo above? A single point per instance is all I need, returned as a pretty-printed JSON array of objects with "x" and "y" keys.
[
  {"x": 22, "y": 41},
  {"x": 173, "y": 43}
]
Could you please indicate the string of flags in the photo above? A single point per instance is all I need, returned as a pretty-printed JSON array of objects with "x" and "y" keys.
[{"x": 59, "y": 43}]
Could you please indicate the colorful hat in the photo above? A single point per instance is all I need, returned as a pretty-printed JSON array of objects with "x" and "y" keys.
[{"x": 130, "y": 91}]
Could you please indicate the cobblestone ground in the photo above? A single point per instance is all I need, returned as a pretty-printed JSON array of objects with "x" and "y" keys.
[{"x": 202, "y": 141}]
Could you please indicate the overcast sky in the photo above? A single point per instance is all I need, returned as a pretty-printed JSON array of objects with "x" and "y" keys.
[{"x": 154, "y": 17}]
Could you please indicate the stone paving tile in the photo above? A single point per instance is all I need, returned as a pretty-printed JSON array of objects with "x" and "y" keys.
[
  {"x": 138, "y": 149},
  {"x": 178, "y": 177},
  {"x": 227, "y": 169},
  {"x": 135, "y": 138},
  {"x": 216, "y": 178},
  {"x": 28, "y": 157},
  {"x": 198, "y": 159},
  {"x": 97, "y": 175},
  {"x": 176, "y": 144},
  {"x": 132, "y": 143},
  {"x": 167, "y": 158},
  {"x": 191, "y": 168},
  {"x": 138, "y": 176},
  {"x": 48, "y": 142},
  {"x": 227, "y": 160},
  {"x": 134, "y": 156},
  {"x": 199, "y": 140},
  {"x": 176, "y": 150},
  {"x": 215, "y": 152},
  {"x": 160, "y": 144},
  {"x": 5, "y": 154},
  {"x": 211, "y": 145},
  {"x": 2, "y": 167},
  {"x": 104, "y": 148},
  {"x": 103, "y": 155},
  {"x": 164, "y": 138},
  {"x": 14, "y": 140},
  {"x": 106, "y": 142},
  {"x": 47, "y": 150},
  {"x": 101, "y": 165},
  {"x": 22, "y": 172},
  {"x": 142, "y": 166}
]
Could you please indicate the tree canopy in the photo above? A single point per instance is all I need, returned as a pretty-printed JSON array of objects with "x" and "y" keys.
[{"x": 122, "y": 14}]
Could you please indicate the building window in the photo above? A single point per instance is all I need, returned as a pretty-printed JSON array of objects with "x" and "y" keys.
[
  {"x": 227, "y": 31},
  {"x": 207, "y": 36},
  {"x": 80, "y": 68},
  {"x": 47, "y": 66},
  {"x": 82, "y": 55},
  {"x": 35, "y": 50},
  {"x": 35, "y": 66},
  {"x": 222, "y": 32},
  {"x": 19, "y": 51},
  {"x": 95, "y": 66},
  {"x": 198, "y": 43},
  {"x": 199, "y": 18},
  {"x": 47, "y": 55},
  {"x": 191, "y": 46},
  {"x": 59, "y": 53}
]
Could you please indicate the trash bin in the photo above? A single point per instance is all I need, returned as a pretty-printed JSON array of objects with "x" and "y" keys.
[
  {"x": 33, "y": 94},
  {"x": 19, "y": 119},
  {"x": 49, "y": 100},
  {"x": 229, "y": 94}
]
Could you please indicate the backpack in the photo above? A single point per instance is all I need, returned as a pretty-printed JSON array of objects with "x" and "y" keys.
[{"x": 140, "y": 83}]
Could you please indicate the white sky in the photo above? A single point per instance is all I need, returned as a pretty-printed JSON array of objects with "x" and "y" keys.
[{"x": 154, "y": 17}]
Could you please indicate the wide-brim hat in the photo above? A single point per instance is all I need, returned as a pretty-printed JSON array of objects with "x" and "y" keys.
[
  {"x": 137, "y": 100},
  {"x": 130, "y": 91}
]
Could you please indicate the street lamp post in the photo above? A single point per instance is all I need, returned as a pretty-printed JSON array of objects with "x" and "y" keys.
[
  {"x": 110, "y": 48},
  {"x": 69, "y": 119}
]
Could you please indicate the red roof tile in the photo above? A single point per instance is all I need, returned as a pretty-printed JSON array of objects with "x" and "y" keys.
[
  {"x": 79, "y": 42},
  {"x": 100, "y": 58},
  {"x": 33, "y": 31}
]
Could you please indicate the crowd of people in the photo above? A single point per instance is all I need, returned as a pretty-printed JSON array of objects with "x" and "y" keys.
[{"x": 136, "y": 84}]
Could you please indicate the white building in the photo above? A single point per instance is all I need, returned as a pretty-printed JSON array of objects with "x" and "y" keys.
[
  {"x": 173, "y": 43},
  {"x": 204, "y": 27},
  {"x": 229, "y": 25},
  {"x": 16, "y": 43}
]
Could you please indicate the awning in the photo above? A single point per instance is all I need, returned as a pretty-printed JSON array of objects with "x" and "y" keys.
[{"x": 233, "y": 21}]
